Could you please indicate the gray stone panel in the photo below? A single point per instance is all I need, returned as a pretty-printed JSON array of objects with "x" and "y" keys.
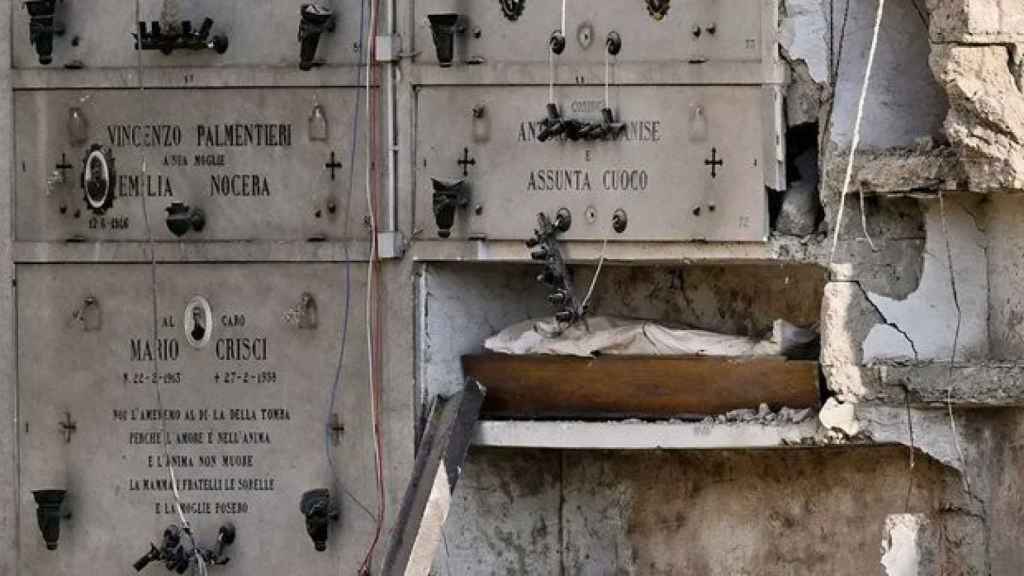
[
  {"x": 768, "y": 513},
  {"x": 260, "y": 33},
  {"x": 247, "y": 411},
  {"x": 679, "y": 171},
  {"x": 504, "y": 518},
  {"x": 729, "y": 31},
  {"x": 246, "y": 157}
]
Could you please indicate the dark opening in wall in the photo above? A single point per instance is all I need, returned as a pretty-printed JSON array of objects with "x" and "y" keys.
[
  {"x": 464, "y": 304},
  {"x": 798, "y": 210}
]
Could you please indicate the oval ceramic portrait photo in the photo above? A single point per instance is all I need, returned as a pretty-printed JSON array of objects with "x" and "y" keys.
[{"x": 198, "y": 322}]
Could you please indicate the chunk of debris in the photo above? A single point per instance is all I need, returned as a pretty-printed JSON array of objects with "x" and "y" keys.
[{"x": 839, "y": 417}]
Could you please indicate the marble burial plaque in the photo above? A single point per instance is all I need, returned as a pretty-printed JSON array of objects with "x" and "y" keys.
[
  {"x": 510, "y": 32},
  {"x": 267, "y": 164},
  {"x": 245, "y": 360},
  {"x": 690, "y": 163},
  {"x": 98, "y": 34}
]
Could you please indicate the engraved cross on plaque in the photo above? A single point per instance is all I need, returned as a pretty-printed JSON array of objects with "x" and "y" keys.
[
  {"x": 63, "y": 166},
  {"x": 466, "y": 162},
  {"x": 336, "y": 428},
  {"x": 333, "y": 165},
  {"x": 68, "y": 427},
  {"x": 714, "y": 162}
]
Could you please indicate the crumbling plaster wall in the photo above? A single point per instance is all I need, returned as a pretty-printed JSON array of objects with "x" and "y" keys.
[
  {"x": 799, "y": 512},
  {"x": 891, "y": 297},
  {"x": 968, "y": 243},
  {"x": 1006, "y": 246},
  {"x": 943, "y": 116}
]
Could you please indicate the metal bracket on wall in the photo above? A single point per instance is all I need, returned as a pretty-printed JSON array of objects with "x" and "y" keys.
[
  {"x": 389, "y": 48},
  {"x": 182, "y": 37},
  {"x": 556, "y": 275},
  {"x": 390, "y": 245}
]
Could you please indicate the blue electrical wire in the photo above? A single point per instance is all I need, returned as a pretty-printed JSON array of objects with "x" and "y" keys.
[{"x": 338, "y": 381}]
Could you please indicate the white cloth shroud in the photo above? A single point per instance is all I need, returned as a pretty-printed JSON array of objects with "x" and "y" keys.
[{"x": 610, "y": 335}]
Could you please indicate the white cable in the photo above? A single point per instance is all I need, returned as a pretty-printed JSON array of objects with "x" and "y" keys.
[
  {"x": 562, "y": 29},
  {"x": 373, "y": 226},
  {"x": 168, "y": 10},
  {"x": 374, "y": 416},
  {"x": 168, "y": 7},
  {"x": 593, "y": 281},
  {"x": 856, "y": 141}
]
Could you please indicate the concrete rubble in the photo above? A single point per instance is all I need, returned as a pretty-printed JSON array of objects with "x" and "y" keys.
[{"x": 763, "y": 415}]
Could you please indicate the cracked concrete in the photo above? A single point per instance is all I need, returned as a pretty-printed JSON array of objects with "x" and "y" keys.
[
  {"x": 928, "y": 316},
  {"x": 986, "y": 117},
  {"x": 945, "y": 114}
]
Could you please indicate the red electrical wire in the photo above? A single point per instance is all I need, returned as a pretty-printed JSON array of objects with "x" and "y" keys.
[{"x": 375, "y": 314}]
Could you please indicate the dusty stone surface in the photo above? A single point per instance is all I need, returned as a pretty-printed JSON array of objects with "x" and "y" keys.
[
  {"x": 929, "y": 432},
  {"x": 887, "y": 343},
  {"x": 804, "y": 36},
  {"x": 1004, "y": 214},
  {"x": 928, "y": 317},
  {"x": 986, "y": 115},
  {"x": 1007, "y": 510},
  {"x": 910, "y": 545},
  {"x": 897, "y": 227},
  {"x": 803, "y": 95},
  {"x": 976, "y": 21},
  {"x": 893, "y": 268},
  {"x": 924, "y": 167},
  {"x": 505, "y": 516},
  {"x": 847, "y": 318},
  {"x": 905, "y": 102},
  {"x": 8, "y": 395},
  {"x": 769, "y": 513},
  {"x": 977, "y": 384}
]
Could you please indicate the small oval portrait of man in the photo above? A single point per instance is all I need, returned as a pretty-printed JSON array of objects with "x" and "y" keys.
[{"x": 198, "y": 322}]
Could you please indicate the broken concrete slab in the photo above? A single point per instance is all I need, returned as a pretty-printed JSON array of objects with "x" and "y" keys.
[
  {"x": 975, "y": 385},
  {"x": 926, "y": 430},
  {"x": 847, "y": 319},
  {"x": 976, "y": 21},
  {"x": 930, "y": 384},
  {"x": 923, "y": 168},
  {"x": 986, "y": 114}
]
